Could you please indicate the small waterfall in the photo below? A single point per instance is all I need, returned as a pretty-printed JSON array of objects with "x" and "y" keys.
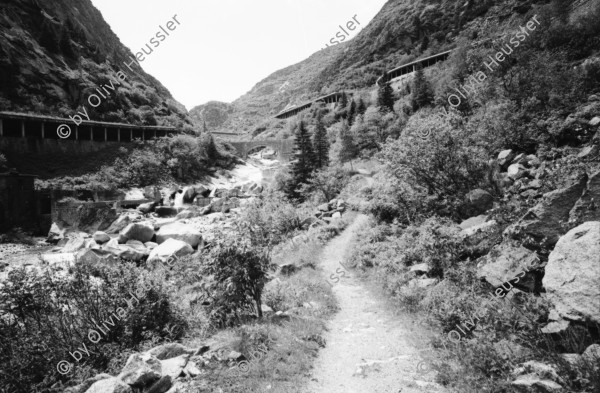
[{"x": 178, "y": 199}]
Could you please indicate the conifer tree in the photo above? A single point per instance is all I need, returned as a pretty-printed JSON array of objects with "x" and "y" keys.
[
  {"x": 303, "y": 164},
  {"x": 352, "y": 112},
  {"x": 422, "y": 92},
  {"x": 321, "y": 144},
  {"x": 385, "y": 98},
  {"x": 348, "y": 150},
  {"x": 361, "y": 108},
  {"x": 343, "y": 101}
]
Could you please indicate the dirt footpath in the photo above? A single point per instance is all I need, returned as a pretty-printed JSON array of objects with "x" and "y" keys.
[{"x": 369, "y": 348}]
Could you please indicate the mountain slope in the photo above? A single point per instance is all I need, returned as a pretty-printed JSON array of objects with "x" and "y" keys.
[{"x": 53, "y": 55}]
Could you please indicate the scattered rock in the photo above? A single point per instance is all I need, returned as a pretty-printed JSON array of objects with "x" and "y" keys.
[
  {"x": 120, "y": 223},
  {"x": 592, "y": 355},
  {"x": 504, "y": 262},
  {"x": 588, "y": 152},
  {"x": 179, "y": 231},
  {"x": 141, "y": 370},
  {"x": 101, "y": 237},
  {"x": 161, "y": 386},
  {"x": 556, "y": 327},
  {"x": 109, "y": 385},
  {"x": 529, "y": 383},
  {"x": 173, "y": 367},
  {"x": 147, "y": 207},
  {"x": 323, "y": 207},
  {"x": 543, "y": 222},
  {"x": 93, "y": 257},
  {"x": 595, "y": 121},
  {"x": 572, "y": 278},
  {"x": 85, "y": 385},
  {"x": 477, "y": 202},
  {"x": 420, "y": 268},
  {"x": 516, "y": 171},
  {"x": 336, "y": 215},
  {"x": 170, "y": 350},
  {"x": 505, "y": 157}
]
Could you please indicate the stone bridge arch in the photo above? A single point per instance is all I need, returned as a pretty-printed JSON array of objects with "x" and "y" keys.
[{"x": 284, "y": 148}]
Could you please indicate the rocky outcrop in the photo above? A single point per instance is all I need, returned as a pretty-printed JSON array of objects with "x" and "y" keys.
[
  {"x": 542, "y": 225},
  {"x": 477, "y": 202},
  {"x": 572, "y": 279}
]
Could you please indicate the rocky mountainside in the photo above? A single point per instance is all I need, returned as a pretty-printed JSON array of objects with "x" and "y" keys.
[{"x": 53, "y": 55}]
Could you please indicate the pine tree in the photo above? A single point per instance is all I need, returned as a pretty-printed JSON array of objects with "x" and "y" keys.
[
  {"x": 385, "y": 98},
  {"x": 343, "y": 103},
  {"x": 303, "y": 164},
  {"x": 321, "y": 145},
  {"x": 211, "y": 147},
  {"x": 352, "y": 112},
  {"x": 422, "y": 92},
  {"x": 361, "y": 108},
  {"x": 348, "y": 150},
  {"x": 204, "y": 128}
]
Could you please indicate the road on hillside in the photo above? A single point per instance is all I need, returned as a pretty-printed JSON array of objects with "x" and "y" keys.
[{"x": 370, "y": 349}]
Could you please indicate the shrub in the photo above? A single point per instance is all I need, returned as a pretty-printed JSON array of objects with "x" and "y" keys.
[{"x": 46, "y": 316}]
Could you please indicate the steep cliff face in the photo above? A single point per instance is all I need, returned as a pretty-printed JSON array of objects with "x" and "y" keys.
[
  {"x": 53, "y": 55},
  {"x": 213, "y": 113}
]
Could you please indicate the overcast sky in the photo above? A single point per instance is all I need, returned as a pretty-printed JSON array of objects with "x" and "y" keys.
[{"x": 224, "y": 47}]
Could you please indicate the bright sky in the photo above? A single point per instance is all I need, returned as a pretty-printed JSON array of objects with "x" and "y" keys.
[{"x": 222, "y": 48}]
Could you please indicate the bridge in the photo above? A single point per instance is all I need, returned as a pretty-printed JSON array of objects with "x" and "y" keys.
[
  {"x": 327, "y": 99},
  {"x": 412, "y": 67},
  {"x": 284, "y": 148}
]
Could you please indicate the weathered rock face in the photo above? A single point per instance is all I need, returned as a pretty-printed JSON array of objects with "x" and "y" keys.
[
  {"x": 86, "y": 216},
  {"x": 572, "y": 278},
  {"x": 504, "y": 262},
  {"x": 168, "y": 248},
  {"x": 141, "y": 370},
  {"x": 543, "y": 222},
  {"x": 588, "y": 207},
  {"x": 142, "y": 231},
  {"x": 55, "y": 234},
  {"x": 179, "y": 231}
]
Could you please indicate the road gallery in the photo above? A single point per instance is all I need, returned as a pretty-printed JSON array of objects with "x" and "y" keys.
[{"x": 499, "y": 57}]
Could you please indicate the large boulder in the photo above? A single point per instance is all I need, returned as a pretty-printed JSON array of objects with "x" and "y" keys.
[
  {"x": 94, "y": 257},
  {"x": 109, "y": 385},
  {"x": 587, "y": 208},
  {"x": 101, "y": 237},
  {"x": 504, "y": 262},
  {"x": 169, "y": 248},
  {"x": 542, "y": 225},
  {"x": 55, "y": 234},
  {"x": 572, "y": 278},
  {"x": 132, "y": 252},
  {"x": 141, "y": 370},
  {"x": 146, "y": 207},
  {"x": 74, "y": 241},
  {"x": 179, "y": 231},
  {"x": 120, "y": 223},
  {"x": 141, "y": 231}
]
